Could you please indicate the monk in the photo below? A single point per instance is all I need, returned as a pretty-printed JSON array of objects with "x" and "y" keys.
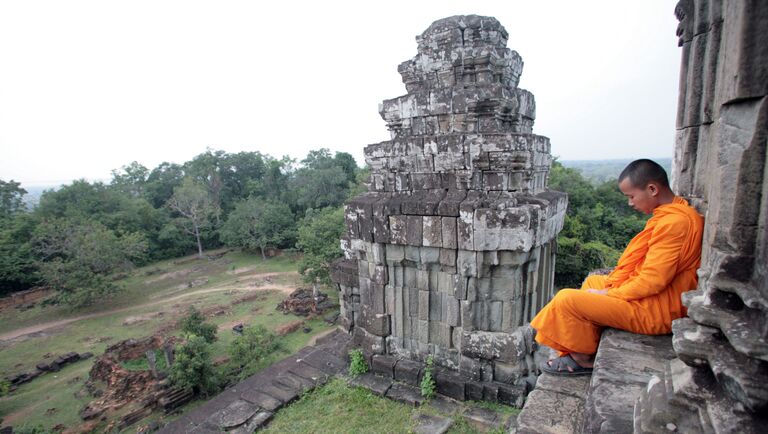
[{"x": 642, "y": 294}]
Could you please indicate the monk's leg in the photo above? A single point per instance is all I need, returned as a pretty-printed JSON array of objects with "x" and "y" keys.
[{"x": 573, "y": 320}]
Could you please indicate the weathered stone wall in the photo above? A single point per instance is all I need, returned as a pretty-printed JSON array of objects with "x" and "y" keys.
[
  {"x": 452, "y": 249},
  {"x": 718, "y": 383}
]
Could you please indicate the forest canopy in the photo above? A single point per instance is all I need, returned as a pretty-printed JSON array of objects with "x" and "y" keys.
[{"x": 84, "y": 234}]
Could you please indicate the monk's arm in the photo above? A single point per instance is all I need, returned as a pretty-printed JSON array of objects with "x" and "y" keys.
[{"x": 661, "y": 261}]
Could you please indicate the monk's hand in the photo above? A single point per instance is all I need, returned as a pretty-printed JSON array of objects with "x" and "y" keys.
[{"x": 597, "y": 291}]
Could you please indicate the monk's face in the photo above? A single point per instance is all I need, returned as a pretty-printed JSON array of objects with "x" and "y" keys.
[{"x": 643, "y": 199}]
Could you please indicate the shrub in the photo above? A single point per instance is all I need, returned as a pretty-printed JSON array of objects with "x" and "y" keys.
[
  {"x": 247, "y": 352},
  {"x": 5, "y": 387},
  {"x": 427, "y": 381},
  {"x": 193, "y": 367},
  {"x": 357, "y": 364},
  {"x": 194, "y": 325}
]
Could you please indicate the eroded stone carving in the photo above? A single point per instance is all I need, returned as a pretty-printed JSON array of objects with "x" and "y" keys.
[{"x": 452, "y": 249}]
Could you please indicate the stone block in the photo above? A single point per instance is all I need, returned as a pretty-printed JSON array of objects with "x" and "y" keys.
[
  {"x": 234, "y": 415},
  {"x": 424, "y": 302},
  {"x": 467, "y": 317},
  {"x": 414, "y": 297},
  {"x": 422, "y": 280},
  {"x": 408, "y": 371},
  {"x": 439, "y": 334},
  {"x": 448, "y": 234},
  {"x": 414, "y": 234},
  {"x": 504, "y": 347},
  {"x": 432, "y": 231},
  {"x": 509, "y": 373},
  {"x": 466, "y": 263},
  {"x": 405, "y": 394},
  {"x": 389, "y": 299},
  {"x": 384, "y": 365},
  {"x": 470, "y": 368},
  {"x": 452, "y": 311},
  {"x": 482, "y": 419},
  {"x": 374, "y": 322},
  {"x": 448, "y": 258},
  {"x": 427, "y": 424},
  {"x": 551, "y": 413},
  {"x": 449, "y": 384},
  {"x": 376, "y": 384},
  {"x": 367, "y": 341},
  {"x": 395, "y": 253},
  {"x": 511, "y": 394},
  {"x": 397, "y": 229},
  {"x": 429, "y": 255},
  {"x": 435, "y": 306},
  {"x": 423, "y": 331},
  {"x": 413, "y": 253},
  {"x": 465, "y": 231}
]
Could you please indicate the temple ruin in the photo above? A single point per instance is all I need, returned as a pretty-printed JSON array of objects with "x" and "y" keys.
[{"x": 451, "y": 252}]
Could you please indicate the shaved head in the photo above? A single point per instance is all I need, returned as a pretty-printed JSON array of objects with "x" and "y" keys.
[{"x": 641, "y": 172}]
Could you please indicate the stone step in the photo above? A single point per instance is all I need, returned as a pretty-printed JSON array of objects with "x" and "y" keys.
[
  {"x": 605, "y": 401},
  {"x": 624, "y": 364},
  {"x": 555, "y": 406}
]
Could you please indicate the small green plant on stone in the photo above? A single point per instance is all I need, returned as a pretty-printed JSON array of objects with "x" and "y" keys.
[
  {"x": 357, "y": 364},
  {"x": 427, "y": 381}
]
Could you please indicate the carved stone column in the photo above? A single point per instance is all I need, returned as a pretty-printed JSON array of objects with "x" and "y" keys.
[{"x": 452, "y": 249}]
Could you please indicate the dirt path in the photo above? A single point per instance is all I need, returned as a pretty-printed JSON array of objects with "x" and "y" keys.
[{"x": 229, "y": 286}]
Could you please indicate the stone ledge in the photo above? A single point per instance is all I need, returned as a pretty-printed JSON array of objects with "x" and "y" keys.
[
  {"x": 603, "y": 402},
  {"x": 624, "y": 364}
]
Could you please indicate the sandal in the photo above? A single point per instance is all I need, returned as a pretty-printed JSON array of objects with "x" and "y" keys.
[{"x": 561, "y": 365}]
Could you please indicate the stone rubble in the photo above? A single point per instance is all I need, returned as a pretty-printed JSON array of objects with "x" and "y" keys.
[{"x": 451, "y": 252}]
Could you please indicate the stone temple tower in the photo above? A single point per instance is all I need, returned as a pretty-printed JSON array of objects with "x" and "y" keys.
[{"x": 452, "y": 250}]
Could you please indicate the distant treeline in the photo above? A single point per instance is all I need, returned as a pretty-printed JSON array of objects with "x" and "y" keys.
[
  {"x": 81, "y": 235},
  {"x": 599, "y": 171}
]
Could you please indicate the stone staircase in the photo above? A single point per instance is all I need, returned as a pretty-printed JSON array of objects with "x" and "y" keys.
[{"x": 605, "y": 401}]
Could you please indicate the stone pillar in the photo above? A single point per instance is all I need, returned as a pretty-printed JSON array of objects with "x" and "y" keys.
[
  {"x": 168, "y": 351},
  {"x": 718, "y": 382},
  {"x": 451, "y": 252},
  {"x": 152, "y": 362}
]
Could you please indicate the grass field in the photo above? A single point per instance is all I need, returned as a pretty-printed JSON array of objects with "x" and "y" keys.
[
  {"x": 339, "y": 408},
  {"x": 242, "y": 287}
]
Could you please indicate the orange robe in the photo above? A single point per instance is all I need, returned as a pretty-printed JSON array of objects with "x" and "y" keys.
[{"x": 644, "y": 289}]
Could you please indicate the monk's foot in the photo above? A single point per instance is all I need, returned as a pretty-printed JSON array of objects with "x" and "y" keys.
[
  {"x": 584, "y": 360},
  {"x": 565, "y": 365}
]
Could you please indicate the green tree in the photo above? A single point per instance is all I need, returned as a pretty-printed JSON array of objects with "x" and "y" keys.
[
  {"x": 76, "y": 258},
  {"x": 18, "y": 270},
  {"x": 206, "y": 170},
  {"x": 323, "y": 180},
  {"x": 160, "y": 183},
  {"x": 258, "y": 224},
  {"x": 247, "y": 352},
  {"x": 130, "y": 179},
  {"x": 194, "y": 204},
  {"x": 319, "y": 238},
  {"x": 193, "y": 324},
  {"x": 193, "y": 367},
  {"x": 11, "y": 198}
]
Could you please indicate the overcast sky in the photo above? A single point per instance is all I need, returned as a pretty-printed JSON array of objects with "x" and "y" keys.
[{"x": 89, "y": 86}]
